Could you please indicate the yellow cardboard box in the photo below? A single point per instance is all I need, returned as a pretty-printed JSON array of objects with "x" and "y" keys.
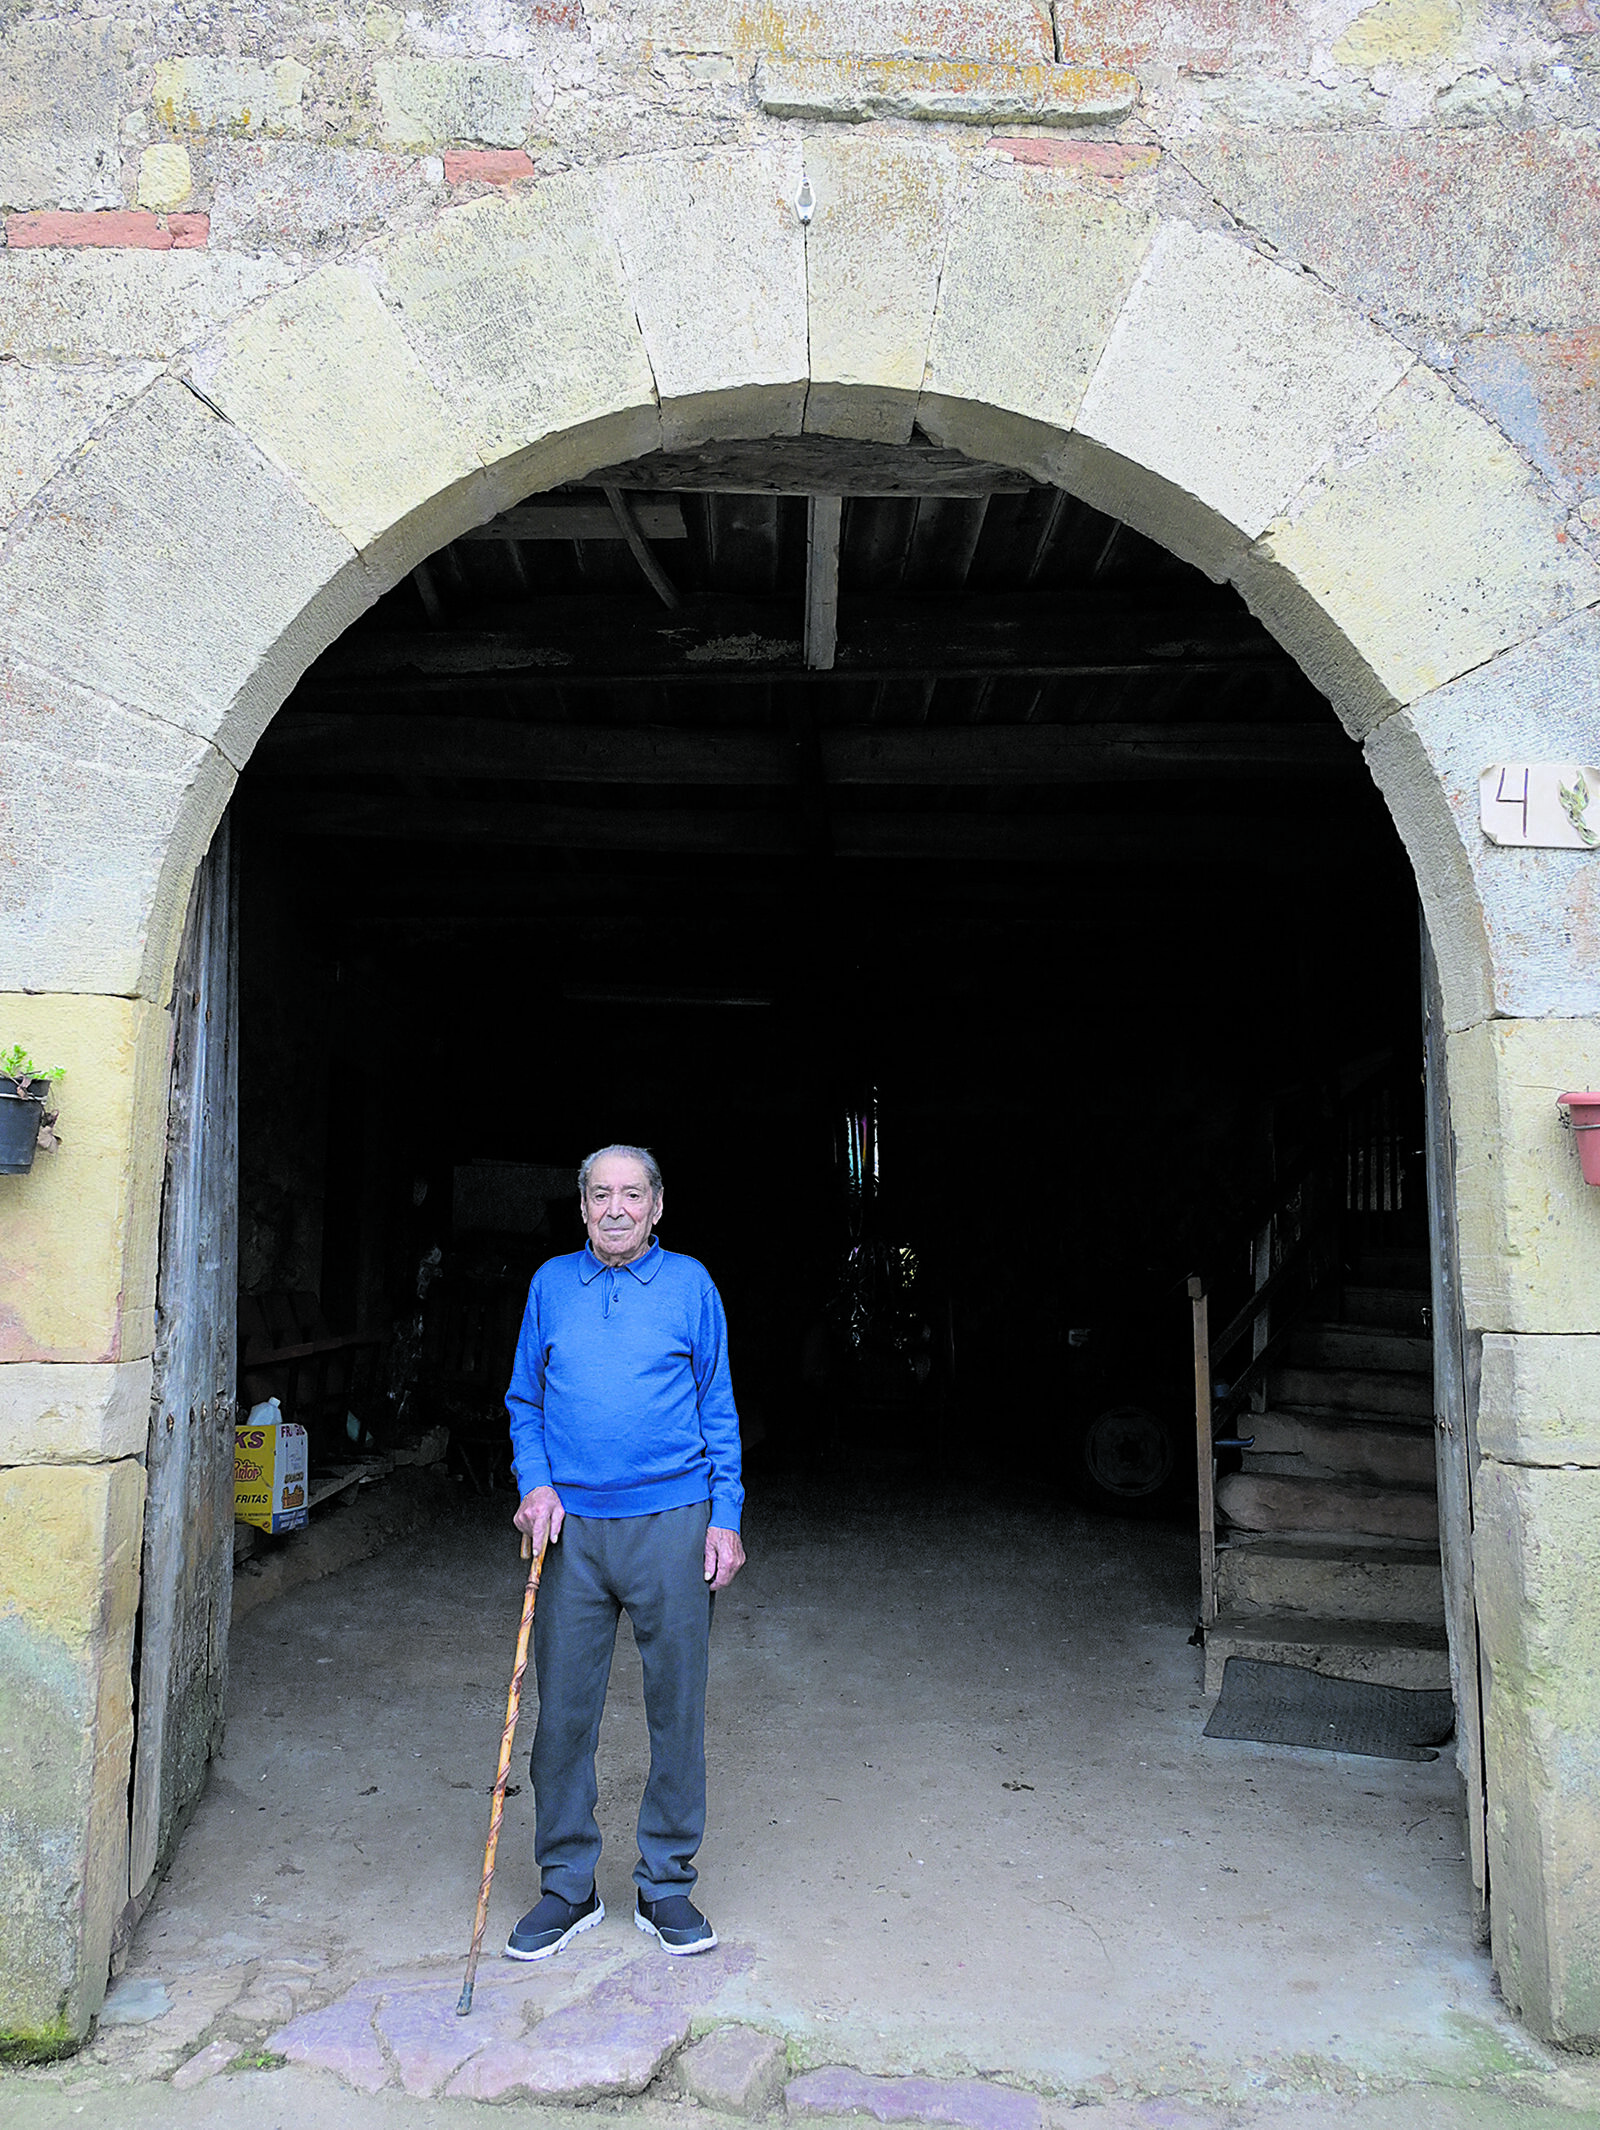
[{"x": 270, "y": 1470}]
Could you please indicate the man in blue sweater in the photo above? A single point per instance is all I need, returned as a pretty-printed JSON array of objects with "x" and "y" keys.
[{"x": 626, "y": 1447}]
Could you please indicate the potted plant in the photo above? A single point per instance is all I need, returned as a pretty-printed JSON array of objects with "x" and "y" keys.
[{"x": 25, "y": 1124}]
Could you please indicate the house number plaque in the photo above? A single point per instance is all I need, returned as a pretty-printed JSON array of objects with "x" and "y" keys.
[{"x": 1550, "y": 805}]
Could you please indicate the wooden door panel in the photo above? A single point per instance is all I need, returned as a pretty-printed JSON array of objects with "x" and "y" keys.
[{"x": 188, "y": 1537}]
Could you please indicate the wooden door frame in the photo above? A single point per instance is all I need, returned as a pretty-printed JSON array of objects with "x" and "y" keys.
[
  {"x": 1456, "y": 1367},
  {"x": 186, "y": 1600}
]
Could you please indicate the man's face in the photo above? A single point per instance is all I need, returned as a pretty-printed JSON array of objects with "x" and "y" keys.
[{"x": 619, "y": 1209}]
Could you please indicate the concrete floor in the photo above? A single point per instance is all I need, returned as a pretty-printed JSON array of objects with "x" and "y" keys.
[{"x": 961, "y": 1810}]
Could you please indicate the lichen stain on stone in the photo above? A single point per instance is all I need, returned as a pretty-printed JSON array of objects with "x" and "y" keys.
[
  {"x": 1204, "y": 35},
  {"x": 776, "y": 29},
  {"x": 1401, "y": 33},
  {"x": 918, "y": 27},
  {"x": 966, "y": 91}
]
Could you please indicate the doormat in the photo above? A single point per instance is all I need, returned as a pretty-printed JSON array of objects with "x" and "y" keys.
[{"x": 1283, "y": 1704}]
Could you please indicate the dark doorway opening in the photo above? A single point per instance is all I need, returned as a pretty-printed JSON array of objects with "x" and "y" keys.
[
  {"x": 971, "y": 980},
  {"x": 981, "y": 936}
]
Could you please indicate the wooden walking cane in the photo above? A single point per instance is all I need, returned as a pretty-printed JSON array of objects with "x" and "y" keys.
[{"x": 513, "y": 1709}]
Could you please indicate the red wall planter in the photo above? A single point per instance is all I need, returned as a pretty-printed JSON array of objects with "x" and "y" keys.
[{"x": 1583, "y": 1113}]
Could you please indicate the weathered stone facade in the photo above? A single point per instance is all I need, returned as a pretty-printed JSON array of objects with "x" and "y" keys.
[{"x": 288, "y": 297}]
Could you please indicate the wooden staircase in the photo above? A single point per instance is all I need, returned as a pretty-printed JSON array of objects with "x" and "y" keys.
[{"x": 1328, "y": 1533}]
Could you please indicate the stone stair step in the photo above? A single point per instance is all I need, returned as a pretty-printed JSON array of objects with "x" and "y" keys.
[
  {"x": 1329, "y": 1580},
  {"x": 1313, "y": 1446},
  {"x": 1400, "y": 1423},
  {"x": 1391, "y": 1268},
  {"x": 1400, "y": 1308},
  {"x": 1379, "y": 1652},
  {"x": 1361, "y": 1390},
  {"x": 1360, "y": 1346},
  {"x": 1270, "y": 1502}
]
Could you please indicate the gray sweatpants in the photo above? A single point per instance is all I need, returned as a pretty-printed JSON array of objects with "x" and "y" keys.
[{"x": 652, "y": 1568}]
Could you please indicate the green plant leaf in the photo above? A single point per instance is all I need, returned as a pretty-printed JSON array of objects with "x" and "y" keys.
[
  {"x": 1574, "y": 802},
  {"x": 15, "y": 1064}
]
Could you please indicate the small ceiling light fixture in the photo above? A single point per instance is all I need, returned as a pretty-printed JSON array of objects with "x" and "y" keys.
[{"x": 805, "y": 202}]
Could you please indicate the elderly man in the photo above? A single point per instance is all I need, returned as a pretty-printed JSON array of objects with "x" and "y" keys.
[{"x": 626, "y": 1446}]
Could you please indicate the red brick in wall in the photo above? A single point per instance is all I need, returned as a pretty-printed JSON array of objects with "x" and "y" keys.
[
  {"x": 127, "y": 229},
  {"x": 486, "y": 166}
]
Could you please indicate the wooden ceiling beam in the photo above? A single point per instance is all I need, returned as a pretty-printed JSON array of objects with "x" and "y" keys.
[
  {"x": 1184, "y": 840},
  {"x": 594, "y": 638},
  {"x": 815, "y": 465},
  {"x": 580, "y": 518},
  {"x": 315, "y": 744}
]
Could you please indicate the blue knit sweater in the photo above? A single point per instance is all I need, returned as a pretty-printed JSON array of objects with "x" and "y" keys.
[{"x": 620, "y": 1395}]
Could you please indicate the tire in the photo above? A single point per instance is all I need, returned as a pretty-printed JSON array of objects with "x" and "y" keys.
[{"x": 1125, "y": 1462}]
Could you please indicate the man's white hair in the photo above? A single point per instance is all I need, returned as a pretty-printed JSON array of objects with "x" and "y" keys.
[{"x": 641, "y": 1154}]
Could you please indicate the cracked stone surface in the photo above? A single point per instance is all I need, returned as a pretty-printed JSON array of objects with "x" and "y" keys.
[
  {"x": 738, "y": 2070},
  {"x": 561, "y": 2030},
  {"x": 612, "y": 2043},
  {"x": 339, "y": 2038},
  {"x": 970, "y": 2102},
  {"x": 204, "y": 2064},
  {"x": 136, "y": 2002},
  {"x": 153, "y": 2049},
  {"x": 428, "y": 2040}
]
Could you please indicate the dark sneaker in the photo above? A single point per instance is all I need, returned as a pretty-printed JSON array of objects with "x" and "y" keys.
[
  {"x": 552, "y": 1923},
  {"x": 676, "y": 1921}
]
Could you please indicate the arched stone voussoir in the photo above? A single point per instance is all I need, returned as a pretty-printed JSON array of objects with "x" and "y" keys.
[
  {"x": 1036, "y": 272},
  {"x": 1225, "y": 383},
  {"x": 1451, "y": 906},
  {"x": 714, "y": 253},
  {"x": 1532, "y": 943},
  {"x": 104, "y": 813},
  {"x": 49, "y": 410},
  {"x": 172, "y": 570},
  {"x": 323, "y": 381},
  {"x": 520, "y": 314},
  {"x": 1419, "y": 551},
  {"x": 875, "y": 251}
]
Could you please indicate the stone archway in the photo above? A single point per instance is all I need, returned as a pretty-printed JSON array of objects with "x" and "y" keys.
[{"x": 162, "y": 592}]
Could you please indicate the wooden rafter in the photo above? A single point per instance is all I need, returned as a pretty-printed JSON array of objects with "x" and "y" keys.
[
  {"x": 584, "y": 639},
  {"x": 823, "y": 517},
  {"x": 322, "y": 744}
]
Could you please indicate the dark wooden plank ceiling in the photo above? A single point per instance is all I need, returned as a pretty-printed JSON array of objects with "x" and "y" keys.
[{"x": 1018, "y": 681}]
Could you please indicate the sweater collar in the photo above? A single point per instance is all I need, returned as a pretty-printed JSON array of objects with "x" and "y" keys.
[{"x": 644, "y": 1269}]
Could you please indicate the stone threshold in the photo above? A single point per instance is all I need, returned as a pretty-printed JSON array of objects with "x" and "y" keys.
[{"x": 586, "y": 2027}]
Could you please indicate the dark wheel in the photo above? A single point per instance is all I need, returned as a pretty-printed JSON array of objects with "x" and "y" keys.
[{"x": 1125, "y": 1462}]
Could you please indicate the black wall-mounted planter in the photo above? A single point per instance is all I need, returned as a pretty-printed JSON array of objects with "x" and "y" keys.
[{"x": 20, "y": 1118}]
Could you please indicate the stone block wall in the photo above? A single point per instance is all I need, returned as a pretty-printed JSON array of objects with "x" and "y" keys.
[
  {"x": 288, "y": 298},
  {"x": 69, "y": 1539}
]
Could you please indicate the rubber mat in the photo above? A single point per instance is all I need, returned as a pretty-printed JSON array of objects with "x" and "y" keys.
[{"x": 1283, "y": 1704}]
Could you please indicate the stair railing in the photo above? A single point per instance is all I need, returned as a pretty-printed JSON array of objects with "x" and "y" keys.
[{"x": 1351, "y": 1168}]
